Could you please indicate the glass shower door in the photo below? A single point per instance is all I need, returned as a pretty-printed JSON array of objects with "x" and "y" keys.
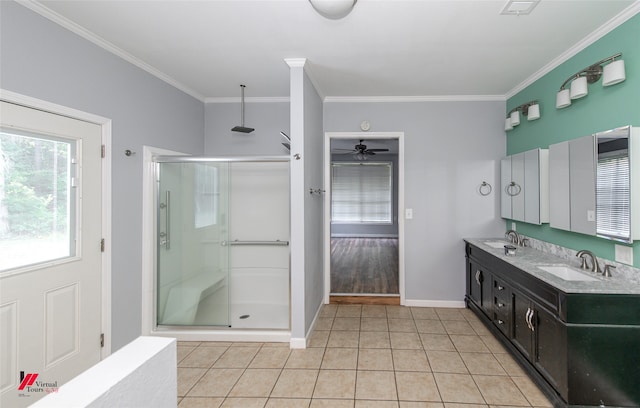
[{"x": 192, "y": 258}]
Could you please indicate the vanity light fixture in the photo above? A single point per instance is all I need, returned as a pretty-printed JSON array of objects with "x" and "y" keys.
[
  {"x": 530, "y": 109},
  {"x": 333, "y": 9},
  {"x": 612, "y": 73}
]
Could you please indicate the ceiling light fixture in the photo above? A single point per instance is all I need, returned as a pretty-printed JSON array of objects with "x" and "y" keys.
[
  {"x": 530, "y": 109},
  {"x": 612, "y": 73},
  {"x": 333, "y": 9}
]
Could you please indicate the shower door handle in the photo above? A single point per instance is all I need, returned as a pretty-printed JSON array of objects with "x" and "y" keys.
[{"x": 167, "y": 219}]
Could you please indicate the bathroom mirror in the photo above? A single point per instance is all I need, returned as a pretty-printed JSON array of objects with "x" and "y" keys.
[{"x": 613, "y": 184}]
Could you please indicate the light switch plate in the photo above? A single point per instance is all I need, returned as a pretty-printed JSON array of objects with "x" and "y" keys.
[
  {"x": 591, "y": 215},
  {"x": 408, "y": 213},
  {"x": 513, "y": 226},
  {"x": 624, "y": 254}
]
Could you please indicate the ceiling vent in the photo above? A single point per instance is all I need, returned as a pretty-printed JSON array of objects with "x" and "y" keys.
[{"x": 519, "y": 7}]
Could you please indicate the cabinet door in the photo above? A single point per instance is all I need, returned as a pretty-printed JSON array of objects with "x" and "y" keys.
[
  {"x": 522, "y": 334},
  {"x": 517, "y": 176},
  {"x": 582, "y": 174},
  {"x": 560, "y": 205},
  {"x": 505, "y": 180},
  {"x": 550, "y": 351},
  {"x": 532, "y": 186},
  {"x": 478, "y": 285}
]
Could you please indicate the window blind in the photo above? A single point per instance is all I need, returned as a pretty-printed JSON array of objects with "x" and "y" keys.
[
  {"x": 361, "y": 193},
  {"x": 612, "y": 195}
]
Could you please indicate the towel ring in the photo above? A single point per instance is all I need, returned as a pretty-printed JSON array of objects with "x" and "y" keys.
[
  {"x": 485, "y": 188},
  {"x": 513, "y": 189}
]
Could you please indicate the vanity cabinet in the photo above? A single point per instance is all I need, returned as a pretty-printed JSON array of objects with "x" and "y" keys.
[
  {"x": 581, "y": 349},
  {"x": 524, "y": 182}
]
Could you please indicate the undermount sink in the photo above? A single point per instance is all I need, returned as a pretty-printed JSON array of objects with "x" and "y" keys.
[
  {"x": 566, "y": 273},
  {"x": 496, "y": 244}
]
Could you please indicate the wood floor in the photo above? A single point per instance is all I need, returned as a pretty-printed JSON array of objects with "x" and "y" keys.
[{"x": 364, "y": 266}]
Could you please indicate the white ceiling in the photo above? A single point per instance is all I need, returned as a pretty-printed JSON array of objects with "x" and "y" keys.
[{"x": 384, "y": 48}]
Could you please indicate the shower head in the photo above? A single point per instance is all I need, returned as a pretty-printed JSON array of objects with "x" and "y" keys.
[{"x": 242, "y": 128}]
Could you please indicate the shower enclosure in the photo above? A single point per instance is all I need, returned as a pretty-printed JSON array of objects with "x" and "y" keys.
[{"x": 222, "y": 243}]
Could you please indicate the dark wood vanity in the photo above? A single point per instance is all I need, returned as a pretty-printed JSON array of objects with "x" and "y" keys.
[{"x": 582, "y": 348}]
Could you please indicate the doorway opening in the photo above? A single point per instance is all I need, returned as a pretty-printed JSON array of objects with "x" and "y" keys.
[{"x": 364, "y": 260}]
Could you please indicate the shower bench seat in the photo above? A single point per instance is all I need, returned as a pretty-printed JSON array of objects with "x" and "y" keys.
[{"x": 184, "y": 297}]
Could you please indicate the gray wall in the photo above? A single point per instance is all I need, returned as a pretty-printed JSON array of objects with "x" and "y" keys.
[
  {"x": 41, "y": 59},
  {"x": 450, "y": 148},
  {"x": 371, "y": 230},
  {"x": 268, "y": 119}
]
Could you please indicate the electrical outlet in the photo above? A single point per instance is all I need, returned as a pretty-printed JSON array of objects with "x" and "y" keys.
[
  {"x": 408, "y": 213},
  {"x": 624, "y": 254},
  {"x": 513, "y": 226}
]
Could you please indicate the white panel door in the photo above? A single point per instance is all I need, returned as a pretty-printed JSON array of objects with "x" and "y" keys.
[{"x": 50, "y": 257}]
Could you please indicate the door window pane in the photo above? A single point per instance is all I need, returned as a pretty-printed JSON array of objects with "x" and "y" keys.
[{"x": 36, "y": 199}]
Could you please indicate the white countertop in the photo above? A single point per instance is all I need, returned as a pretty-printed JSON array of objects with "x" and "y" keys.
[{"x": 528, "y": 260}]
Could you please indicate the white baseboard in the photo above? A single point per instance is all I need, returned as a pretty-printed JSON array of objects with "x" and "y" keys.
[
  {"x": 459, "y": 304},
  {"x": 298, "y": 343}
]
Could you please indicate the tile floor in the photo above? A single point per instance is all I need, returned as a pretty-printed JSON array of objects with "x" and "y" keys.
[{"x": 362, "y": 356}]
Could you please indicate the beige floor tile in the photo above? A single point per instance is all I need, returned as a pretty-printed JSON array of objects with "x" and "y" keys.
[
  {"x": 440, "y": 342},
  {"x": 470, "y": 344},
  {"x": 482, "y": 363},
  {"x": 270, "y": 357},
  {"x": 458, "y": 388},
  {"x": 498, "y": 390},
  {"x": 456, "y": 405},
  {"x": 216, "y": 383},
  {"x": 492, "y": 344},
  {"x": 376, "y": 385},
  {"x": 218, "y": 344},
  {"x": 200, "y": 402},
  {"x": 318, "y": 338},
  {"x": 420, "y": 404},
  {"x": 375, "y": 359},
  {"x": 323, "y": 323},
  {"x": 189, "y": 343},
  {"x": 375, "y": 340},
  {"x": 328, "y": 311},
  {"x": 450, "y": 314},
  {"x": 295, "y": 383},
  {"x": 331, "y": 403},
  {"x": 342, "y": 338},
  {"x": 279, "y": 344},
  {"x": 237, "y": 357},
  {"x": 251, "y": 344},
  {"x": 340, "y": 359},
  {"x": 398, "y": 312},
  {"x": 510, "y": 365},
  {"x": 480, "y": 328},
  {"x": 374, "y": 324},
  {"x": 183, "y": 351},
  {"x": 374, "y": 311},
  {"x": 410, "y": 360},
  {"x": 427, "y": 313},
  {"x": 335, "y": 384},
  {"x": 305, "y": 358},
  {"x": 244, "y": 403},
  {"x": 430, "y": 326},
  {"x": 400, "y": 340},
  {"x": 458, "y": 327},
  {"x": 349, "y": 311},
  {"x": 346, "y": 323},
  {"x": 414, "y": 386},
  {"x": 255, "y": 383},
  {"x": 203, "y": 357},
  {"x": 531, "y": 392},
  {"x": 187, "y": 377},
  {"x": 402, "y": 325},
  {"x": 446, "y": 362},
  {"x": 376, "y": 404},
  {"x": 288, "y": 403}
]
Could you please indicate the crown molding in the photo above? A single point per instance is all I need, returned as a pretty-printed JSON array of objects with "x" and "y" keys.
[
  {"x": 49, "y": 14},
  {"x": 255, "y": 99},
  {"x": 431, "y": 98},
  {"x": 603, "y": 30}
]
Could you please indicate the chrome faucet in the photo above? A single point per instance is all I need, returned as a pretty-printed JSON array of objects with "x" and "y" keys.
[
  {"x": 513, "y": 237},
  {"x": 595, "y": 266}
]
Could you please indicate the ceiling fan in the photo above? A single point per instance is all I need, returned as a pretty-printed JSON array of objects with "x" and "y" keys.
[{"x": 360, "y": 150}]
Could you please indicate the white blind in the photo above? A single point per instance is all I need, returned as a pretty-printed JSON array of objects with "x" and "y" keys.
[
  {"x": 613, "y": 205},
  {"x": 361, "y": 193}
]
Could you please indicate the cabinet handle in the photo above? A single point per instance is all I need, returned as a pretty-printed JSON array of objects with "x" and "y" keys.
[
  {"x": 500, "y": 304},
  {"x": 526, "y": 318},
  {"x": 531, "y": 320},
  {"x": 500, "y": 321},
  {"x": 500, "y": 287},
  {"x": 478, "y": 276}
]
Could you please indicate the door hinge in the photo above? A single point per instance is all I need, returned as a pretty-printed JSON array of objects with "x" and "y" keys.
[
  {"x": 102, "y": 245},
  {"x": 103, "y": 151},
  {"x": 101, "y": 339}
]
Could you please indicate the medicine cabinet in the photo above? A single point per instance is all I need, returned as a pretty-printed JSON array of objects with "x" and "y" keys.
[{"x": 524, "y": 182}]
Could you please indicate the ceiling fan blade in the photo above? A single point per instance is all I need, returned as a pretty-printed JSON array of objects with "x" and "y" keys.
[
  {"x": 345, "y": 150},
  {"x": 378, "y": 150}
]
